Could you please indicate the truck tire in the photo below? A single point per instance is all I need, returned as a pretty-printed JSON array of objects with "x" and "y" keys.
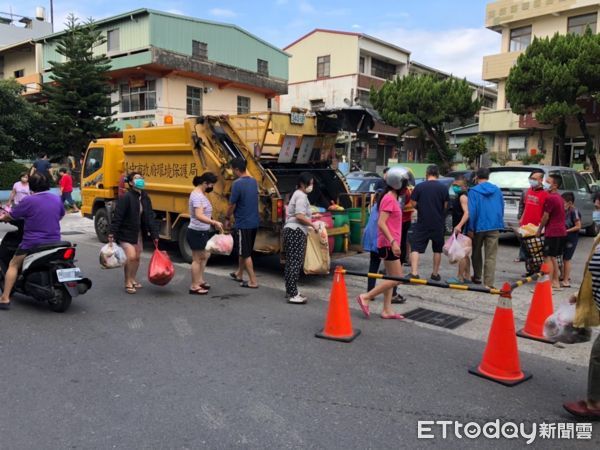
[
  {"x": 102, "y": 224},
  {"x": 184, "y": 247}
]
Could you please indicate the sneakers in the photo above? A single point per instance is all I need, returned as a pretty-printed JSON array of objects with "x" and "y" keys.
[
  {"x": 297, "y": 300},
  {"x": 398, "y": 299},
  {"x": 436, "y": 277},
  {"x": 412, "y": 275}
]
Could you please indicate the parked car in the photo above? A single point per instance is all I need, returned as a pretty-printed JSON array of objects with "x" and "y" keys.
[
  {"x": 468, "y": 174},
  {"x": 514, "y": 181},
  {"x": 361, "y": 181},
  {"x": 591, "y": 180}
]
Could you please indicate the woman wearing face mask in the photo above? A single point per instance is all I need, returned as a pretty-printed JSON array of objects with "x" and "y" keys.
[
  {"x": 388, "y": 243},
  {"x": 198, "y": 232},
  {"x": 460, "y": 217},
  {"x": 297, "y": 226},
  {"x": 134, "y": 218}
]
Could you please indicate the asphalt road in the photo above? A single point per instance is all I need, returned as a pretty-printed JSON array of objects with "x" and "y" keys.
[{"x": 241, "y": 368}]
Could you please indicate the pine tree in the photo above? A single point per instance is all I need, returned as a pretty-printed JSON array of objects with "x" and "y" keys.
[{"x": 79, "y": 103}]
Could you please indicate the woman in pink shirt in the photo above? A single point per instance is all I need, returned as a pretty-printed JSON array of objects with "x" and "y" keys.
[{"x": 389, "y": 234}]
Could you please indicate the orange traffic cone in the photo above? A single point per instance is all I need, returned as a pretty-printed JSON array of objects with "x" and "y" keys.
[
  {"x": 501, "y": 356},
  {"x": 338, "y": 326},
  {"x": 541, "y": 308}
]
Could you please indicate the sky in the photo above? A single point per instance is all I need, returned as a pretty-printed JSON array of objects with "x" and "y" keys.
[{"x": 447, "y": 35}]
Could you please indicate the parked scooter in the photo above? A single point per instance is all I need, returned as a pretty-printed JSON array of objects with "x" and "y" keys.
[{"x": 48, "y": 273}]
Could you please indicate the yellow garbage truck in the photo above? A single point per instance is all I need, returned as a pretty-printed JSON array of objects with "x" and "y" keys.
[{"x": 276, "y": 146}]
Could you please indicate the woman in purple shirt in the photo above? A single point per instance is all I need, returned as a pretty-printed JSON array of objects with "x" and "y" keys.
[{"x": 41, "y": 213}]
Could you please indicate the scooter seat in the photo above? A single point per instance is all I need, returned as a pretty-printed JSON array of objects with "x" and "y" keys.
[{"x": 44, "y": 247}]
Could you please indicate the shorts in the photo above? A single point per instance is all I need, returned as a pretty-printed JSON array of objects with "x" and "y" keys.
[
  {"x": 197, "y": 239},
  {"x": 244, "y": 242},
  {"x": 67, "y": 198},
  {"x": 420, "y": 239},
  {"x": 570, "y": 246},
  {"x": 387, "y": 254},
  {"x": 554, "y": 246}
]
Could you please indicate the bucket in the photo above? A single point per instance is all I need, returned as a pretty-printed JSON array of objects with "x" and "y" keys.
[
  {"x": 340, "y": 218},
  {"x": 354, "y": 213},
  {"x": 355, "y": 231}
]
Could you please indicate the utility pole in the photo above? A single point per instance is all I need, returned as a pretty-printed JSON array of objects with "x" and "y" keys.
[{"x": 52, "y": 14}]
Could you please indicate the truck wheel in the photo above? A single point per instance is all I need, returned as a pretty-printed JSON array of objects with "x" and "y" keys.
[
  {"x": 61, "y": 302},
  {"x": 184, "y": 247},
  {"x": 102, "y": 225}
]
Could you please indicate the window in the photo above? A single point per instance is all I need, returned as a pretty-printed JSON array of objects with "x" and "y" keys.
[
  {"x": 316, "y": 105},
  {"x": 323, "y": 66},
  {"x": 19, "y": 73},
  {"x": 262, "y": 67},
  {"x": 138, "y": 98},
  {"x": 243, "y": 105},
  {"x": 269, "y": 103},
  {"x": 112, "y": 39},
  {"x": 583, "y": 186},
  {"x": 520, "y": 38},
  {"x": 361, "y": 64},
  {"x": 199, "y": 50},
  {"x": 578, "y": 24},
  {"x": 193, "y": 106},
  {"x": 568, "y": 181},
  {"x": 93, "y": 161},
  {"x": 382, "y": 69}
]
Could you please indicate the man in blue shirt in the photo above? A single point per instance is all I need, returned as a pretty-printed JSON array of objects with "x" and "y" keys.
[
  {"x": 243, "y": 204},
  {"x": 42, "y": 165}
]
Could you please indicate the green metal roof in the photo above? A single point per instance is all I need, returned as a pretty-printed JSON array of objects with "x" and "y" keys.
[{"x": 147, "y": 11}]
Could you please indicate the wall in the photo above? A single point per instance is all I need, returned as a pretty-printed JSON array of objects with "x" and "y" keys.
[
  {"x": 342, "y": 48},
  {"x": 23, "y": 58},
  {"x": 332, "y": 91}
]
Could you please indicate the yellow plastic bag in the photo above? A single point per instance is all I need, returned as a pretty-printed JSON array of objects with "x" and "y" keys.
[{"x": 316, "y": 258}]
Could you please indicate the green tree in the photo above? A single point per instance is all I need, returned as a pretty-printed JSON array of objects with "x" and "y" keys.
[
  {"x": 19, "y": 122},
  {"x": 550, "y": 77},
  {"x": 472, "y": 149},
  {"x": 79, "y": 104},
  {"x": 426, "y": 102}
]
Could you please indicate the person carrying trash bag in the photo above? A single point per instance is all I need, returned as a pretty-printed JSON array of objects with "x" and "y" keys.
[
  {"x": 199, "y": 230},
  {"x": 587, "y": 314},
  {"x": 134, "y": 218}
]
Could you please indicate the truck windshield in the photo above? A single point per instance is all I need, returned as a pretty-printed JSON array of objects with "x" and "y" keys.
[
  {"x": 519, "y": 179},
  {"x": 93, "y": 161}
]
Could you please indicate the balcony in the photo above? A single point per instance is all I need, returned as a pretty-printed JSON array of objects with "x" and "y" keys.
[
  {"x": 366, "y": 81},
  {"x": 498, "y": 120},
  {"x": 503, "y": 12},
  {"x": 497, "y": 67},
  {"x": 32, "y": 83}
]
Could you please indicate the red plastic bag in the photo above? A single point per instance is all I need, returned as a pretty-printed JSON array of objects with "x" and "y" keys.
[{"x": 161, "y": 269}]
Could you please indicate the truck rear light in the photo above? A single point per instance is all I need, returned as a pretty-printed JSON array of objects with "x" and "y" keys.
[{"x": 280, "y": 209}]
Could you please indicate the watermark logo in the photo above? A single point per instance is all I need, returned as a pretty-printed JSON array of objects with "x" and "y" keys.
[{"x": 430, "y": 429}]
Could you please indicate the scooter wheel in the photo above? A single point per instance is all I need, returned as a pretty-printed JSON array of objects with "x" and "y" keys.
[{"x": 61, "y": 301}]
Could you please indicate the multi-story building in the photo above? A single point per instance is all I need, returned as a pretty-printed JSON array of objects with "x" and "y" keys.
[
  {"x": 169, "y": 67},
  {"x": 336, "y": 69},
  {"x": 518, "y": 22},
  {"x": 19, "y": 55}
]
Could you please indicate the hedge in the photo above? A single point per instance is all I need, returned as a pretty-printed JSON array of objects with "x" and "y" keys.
[{"x": 10, "y": 172}]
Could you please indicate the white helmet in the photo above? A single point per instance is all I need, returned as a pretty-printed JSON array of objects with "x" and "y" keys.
[{"x": 395, "y": 176}]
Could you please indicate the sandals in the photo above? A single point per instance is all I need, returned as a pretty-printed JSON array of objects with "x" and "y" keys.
[
  {"x": 199, "y": 291},
  {"x": 137, "y": 285},
  {"x": 130, "y": 289},
  {"x": 246, "y": 284},
  {"x": 233, "y": 275},
  {"x": 364, "y": 307},
  {"x": 5, "y": 306},
  {"x": 205, "y": 286}
]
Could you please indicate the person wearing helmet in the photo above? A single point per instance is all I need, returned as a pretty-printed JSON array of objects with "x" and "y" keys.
[
  {"x": 388, "y": 243},
  {"x": 430, "y": 199}
]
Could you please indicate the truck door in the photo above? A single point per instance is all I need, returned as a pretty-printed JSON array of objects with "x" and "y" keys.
[{"x": 584, "y": 200}]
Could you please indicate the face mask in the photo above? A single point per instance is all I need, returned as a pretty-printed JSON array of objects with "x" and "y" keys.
[
  {"x": 457, "y": 189},
  {"x": 547, "y": 186},
  {"x": 534, "y": 183},
  {"x": 209, "y": 189},
  {"x": 139, "y": 183},
  {"x": 309, "y": 189}
]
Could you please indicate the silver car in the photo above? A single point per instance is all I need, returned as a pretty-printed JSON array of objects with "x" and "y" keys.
[{"x": 513, "y": 181}]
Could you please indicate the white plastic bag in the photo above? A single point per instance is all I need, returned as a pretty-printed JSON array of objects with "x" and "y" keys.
[
  {"x": 559, "y": 326},
  {"x": 457, "y": 247},
  {"x": 220, "y": 244},
  {"x": 112, "y": 256}
]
